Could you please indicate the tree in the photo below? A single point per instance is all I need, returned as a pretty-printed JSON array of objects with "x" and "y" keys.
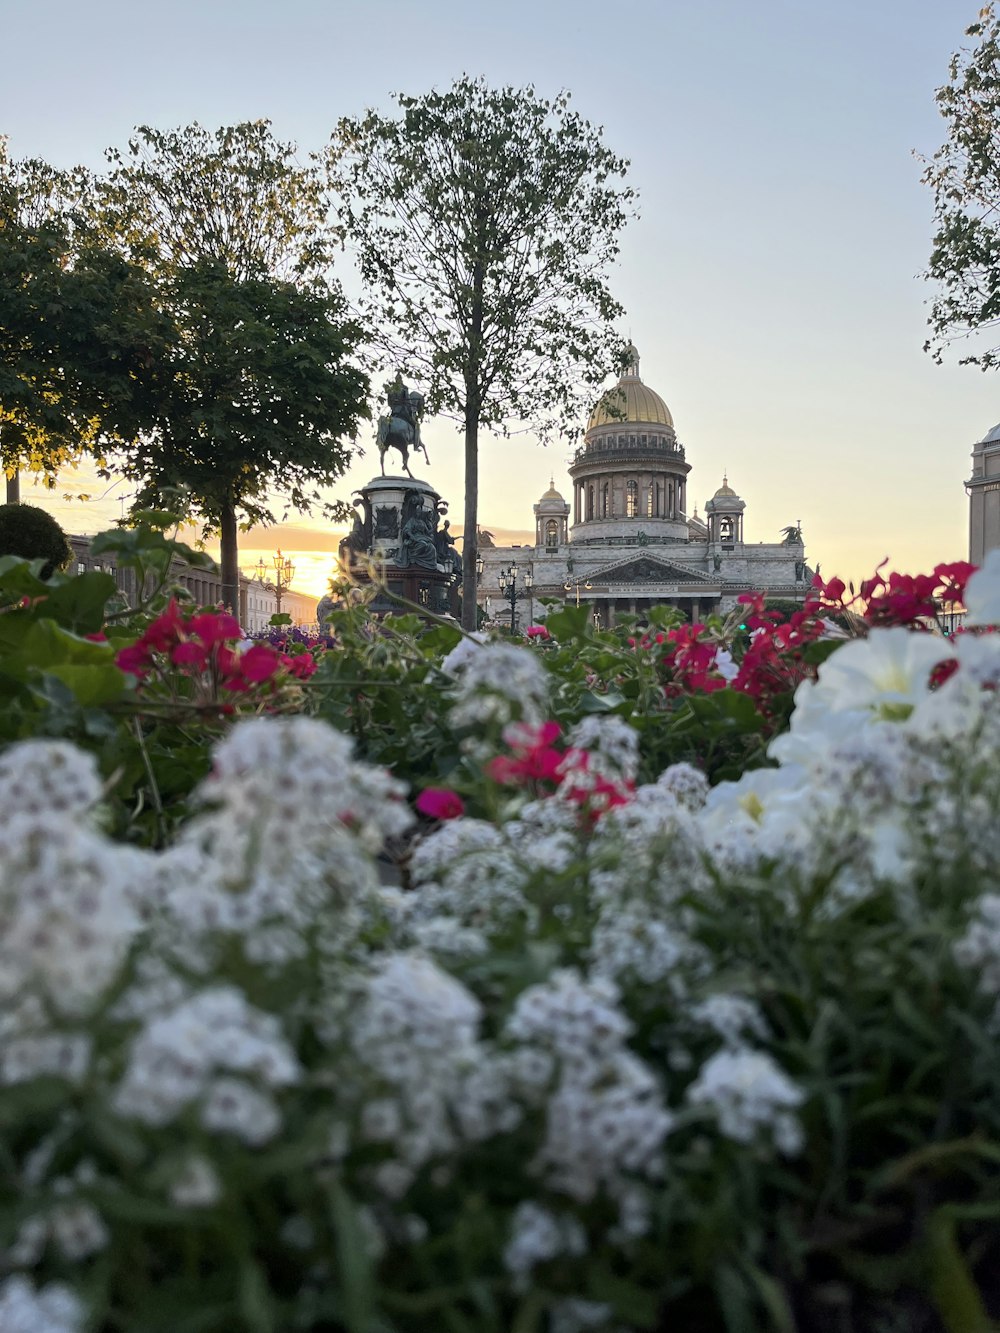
[
  {"x": 77, "y": 327},
  {"x": 485, "y": 222},
  {"x": 964, "y": 175},
  {"x": 256, "y": 393}
]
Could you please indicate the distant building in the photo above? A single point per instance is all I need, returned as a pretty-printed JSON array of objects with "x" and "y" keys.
[
  {"x": 983, "y": 489},
  {"x": 258, "y": 600},
  {"x": 632, "y": 544}
]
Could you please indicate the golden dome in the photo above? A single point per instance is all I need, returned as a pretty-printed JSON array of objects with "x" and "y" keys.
[
  {"x": 552, "y": 493},
  {"x": 630, "y": 401},
  {"x": 725, "y": 491}
]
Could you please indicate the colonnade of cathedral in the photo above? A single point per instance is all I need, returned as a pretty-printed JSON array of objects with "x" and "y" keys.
[{"x": 643, "y": 494}]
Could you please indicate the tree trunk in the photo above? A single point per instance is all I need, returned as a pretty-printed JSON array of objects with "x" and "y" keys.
[
  {"x": 230, "y": 561},
  {"x": 473, "y": 407},
  {"x": 14, "y": 489},
  {"x": 469, "y": 551}
]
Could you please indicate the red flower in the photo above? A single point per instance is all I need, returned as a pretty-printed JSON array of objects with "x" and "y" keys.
[
  {"x": 190, "y": 654},
  {"x": 135, "y": 659},
  {"x": 214, "y": 627},
  {"x": 166, "y": 630},
  {"x": 259, "y": 663},
  {"x": 537, "y": 632},
  {"x": 440, "y": 803}
]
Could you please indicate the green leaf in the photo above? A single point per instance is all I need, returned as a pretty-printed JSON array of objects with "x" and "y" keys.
[
  {"x": 955, "y": 1295},
  {"x": 353, "y": 1262}
]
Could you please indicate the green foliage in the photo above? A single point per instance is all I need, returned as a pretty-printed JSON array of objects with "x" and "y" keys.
[
  {"x": 254, "y": 395},
  {"x": 78, "y": 329},
  {"x": 486, "y": 221},
  {"x": 964, "y": 176},
  {"x": 33, "y": 534}
]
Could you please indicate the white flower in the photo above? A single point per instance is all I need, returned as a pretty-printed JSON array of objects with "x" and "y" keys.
[
  {"x": 173, "y": 1060},
  {"x": 731, "y": 1017},
  {"x": 885, "y": 674},
  {"x": 725, "y": 665},
  {"x": 611, "y": 741},
  {"x": 464, "y": 652},
  {"x": 78, "y": 1229},
  {"x": 498, "y": 682},
  {"x": 982, "y": 592},
  {"x": 233, "y": 1107},
  {"x": 538, "y": 1235},
  {"x": 749, "y": 1093},
  {"x": 197, "y": 1184},
  {"x": 66, "y": 919},
  {"x": 51, "y": 1309},
  {"x": 48, "y": 777}
]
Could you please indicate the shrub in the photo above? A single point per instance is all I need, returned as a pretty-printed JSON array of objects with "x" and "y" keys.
[{"x": 33, "y": 534}]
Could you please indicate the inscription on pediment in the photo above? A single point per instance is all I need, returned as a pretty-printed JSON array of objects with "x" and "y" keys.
[{"x": 647, "y": 570}]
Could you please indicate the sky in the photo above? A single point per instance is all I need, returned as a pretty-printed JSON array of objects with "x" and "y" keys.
[{"x": 772, "y": 280}]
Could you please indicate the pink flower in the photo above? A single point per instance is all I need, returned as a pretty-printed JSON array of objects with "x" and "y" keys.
[
  {"x": 537, "y": 632},
  {"x": 440, "y": 803}
]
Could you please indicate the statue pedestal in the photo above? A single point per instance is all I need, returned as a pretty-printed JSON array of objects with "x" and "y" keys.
[{"x": 389, "y": 502}]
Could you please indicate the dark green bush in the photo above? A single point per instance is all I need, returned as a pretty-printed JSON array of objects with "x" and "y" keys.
[{"x": 33, "y": 534}]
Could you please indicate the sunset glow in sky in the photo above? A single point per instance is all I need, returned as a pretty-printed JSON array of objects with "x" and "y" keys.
[{"x": 771, "y": 281}]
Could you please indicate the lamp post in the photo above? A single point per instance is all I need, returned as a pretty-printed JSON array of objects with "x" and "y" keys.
[
  {"x": 510, "y": 590},
  {"x": 577, "y": 584},
  {"x": 284, "y": 572}
]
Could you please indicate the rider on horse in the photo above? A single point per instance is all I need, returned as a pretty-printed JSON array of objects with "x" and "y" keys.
[{"x": 400, "y": 429}]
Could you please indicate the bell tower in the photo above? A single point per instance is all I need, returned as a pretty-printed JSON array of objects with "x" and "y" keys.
[{"x": 983, "y": 490}]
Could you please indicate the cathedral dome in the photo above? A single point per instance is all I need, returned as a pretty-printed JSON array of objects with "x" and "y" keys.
[
  {"x": 630, "y": 401},
  {"x": 991, "y": 436},
  {"x": 551, "y": 498},
  {"x": 724, "y": 491}
]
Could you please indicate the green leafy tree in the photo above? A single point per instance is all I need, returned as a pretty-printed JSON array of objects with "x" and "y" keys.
[
  {"x": 485, "y": 222},
  {"x": 77, "y": 328},
  {"x": 964, "y": 175},
  {"x": 256, "y": 395}
]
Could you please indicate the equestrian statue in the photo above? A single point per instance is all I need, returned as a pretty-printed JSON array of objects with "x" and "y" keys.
[{"x": 400, "y": 427}]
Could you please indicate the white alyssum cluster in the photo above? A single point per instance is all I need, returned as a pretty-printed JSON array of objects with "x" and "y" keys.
[
  {"x": 469, "y": 871},
  {"x": 51, "y": 1309},
  {"x": 612, "y": 744},
  {"x": 415, "y": 1035},
  {"x": 979, "y": 948},
  {"x": 215, "y": 1049},
  {"x": 66, "y": 917},
  {"x": 46, "y": 778},
  {"x": 538, "y": 1235},
  {"x": 291, "y": 829},
  {"x": 750, "y": 1095},
  {"x": 496, "y": 682},
  {"x": 605, "y": 1116}
]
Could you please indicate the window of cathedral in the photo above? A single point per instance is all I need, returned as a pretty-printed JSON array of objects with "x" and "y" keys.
[
  {"x": 606, "y": 501},
  {"x": 651, "y": 508},
  {"x": 631, "y": 499},
  {"x": 551, "y": 534}
]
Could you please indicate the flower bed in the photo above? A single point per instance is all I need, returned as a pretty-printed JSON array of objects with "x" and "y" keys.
[{"x": 540, "y": 1030}]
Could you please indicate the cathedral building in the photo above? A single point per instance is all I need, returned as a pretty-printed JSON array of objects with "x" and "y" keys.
[
  {"x": 983, "y": 489},
  {"x": 625, "y": 541}
]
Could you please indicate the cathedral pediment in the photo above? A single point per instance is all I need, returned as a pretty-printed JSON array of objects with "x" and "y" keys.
[{"x": 650, "y": 569}]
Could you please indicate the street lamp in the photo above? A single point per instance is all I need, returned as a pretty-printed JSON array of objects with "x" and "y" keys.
[
  {"x": 480, "y": 566},
  {"x": 284, "y": 572},
  {"x": 510, "y": 590},
  {"x": 578, "y": 584}
]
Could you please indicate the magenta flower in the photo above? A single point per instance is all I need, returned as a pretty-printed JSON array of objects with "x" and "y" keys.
[{"x": 440, "y": 803}]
